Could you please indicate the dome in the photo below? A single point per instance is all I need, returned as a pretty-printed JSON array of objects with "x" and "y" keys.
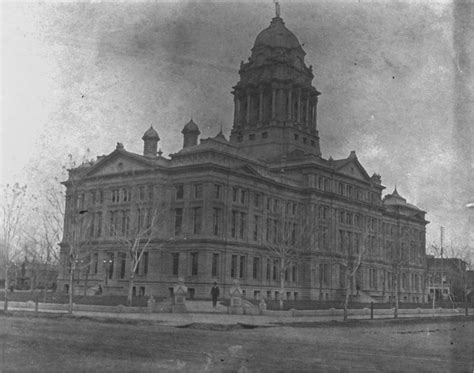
[
  {"x": 191, "y": 127},
  {"x": 151, "y": 134},
  {"x": 277, "y": 36}
]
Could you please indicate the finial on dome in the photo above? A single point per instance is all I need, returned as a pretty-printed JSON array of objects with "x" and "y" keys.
[{"x": 277, "y": 9}]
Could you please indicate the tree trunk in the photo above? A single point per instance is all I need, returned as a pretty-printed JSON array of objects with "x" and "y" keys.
[
  {"x": 130, "y": 288},
  {"x": 282, "y": 284},
  {"x": 396, "y": 298},
  {"x": 71, "y": 284},
  {"x": 346, "y": 300},
  {"x": 5, "y": 302}
]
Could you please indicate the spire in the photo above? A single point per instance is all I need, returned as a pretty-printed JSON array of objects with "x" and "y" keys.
[{"x": 277, "y": 9}]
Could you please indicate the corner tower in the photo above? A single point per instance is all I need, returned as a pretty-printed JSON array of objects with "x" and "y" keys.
[{"x": 274, "y": 101}]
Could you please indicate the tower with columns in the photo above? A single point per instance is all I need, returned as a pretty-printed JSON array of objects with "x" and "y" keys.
[{"x": 275, "y": 104}]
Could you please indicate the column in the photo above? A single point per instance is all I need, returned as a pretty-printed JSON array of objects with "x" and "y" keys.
[
  {"x": 260, "y": 105},
  {"x": 298, "y": 114},
  {"x": 290, "y": 105},
  {"x": 306, "y": 122},
  {"x": 248, "y": 106},
  {"x": 273, "y": 102},
  {"x": 314, "y": 113},
  {"x": 236, "y": 109}
]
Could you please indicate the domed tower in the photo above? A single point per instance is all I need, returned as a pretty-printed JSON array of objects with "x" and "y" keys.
[
  {"x": 274, "y": 101},
  {"x": 150, "y": 142},
  {"x": 190, "y": 134}
]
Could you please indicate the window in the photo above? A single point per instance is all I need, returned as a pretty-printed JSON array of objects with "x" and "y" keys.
[
  {"x": 242, "y": 268},
  {"x": 175, "y": 265},
  {"x": 215, "y": 263},
  {"x": 256, "y": 200},
  {"x": 256, "y": 227},
  {"x": 145, "y": 263},
  {"x": 340, "y": 188},
  {"x": 252, "y": 136},
  {"x": 276, "y": 205},
  {"x": 178, "y": 221},
  {"x": 269, "y": 270},
  {"x": 123, "y": 263},
  {"x": 234, "y": 224},
  {"x": 197, "y": 220},
  {"x": 296, "y": 137},
  {"x": 233, "y": 266},
  {"x": 141, "y": 192},
  {"x": 305, "y": 140},
  {"x": 264, "y": 135},
  {"x": 324, "y": 273},
  {"x": 95, "y": 263},
  {"x": 115, "y": 196},
  {"x": 126, "y": 195},
  {"x": 293, "y": 273},
  {"x": 216, "y": 218},
  {"x": 110, "y": 265},
  {"x": 194, "y": 264},
  {"x": 243, "y": 223},
  {"x": 269, "y": 203},
  {"x": 179, "y": 192},
  {"x": 125, "y": 223},
  {"x": 243, "y": 197},
  {"x": 235, "y": 192},
  {"x": 197, "y": 191},
  {"x": 256, "y": 268},
  {"x": 150, "y": 192},
  {"x": 275, "y": 266},
  {"x": 217, "y": 191}
]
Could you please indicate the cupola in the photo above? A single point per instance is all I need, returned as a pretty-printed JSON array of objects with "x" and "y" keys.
[
  {"x": 190, "y": 134},
  {"x": 150, "y": 142}
]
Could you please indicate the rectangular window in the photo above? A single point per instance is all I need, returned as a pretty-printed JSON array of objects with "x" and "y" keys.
[
  {"x": 141, "y": 192},
  {"x": 110, "y": 265},
  {"x": 233, "y": 266},
  {"x": 194, "y": 264},
  {"x": 126, "y": 195},
  {"x": 197, "y": 191},
  {"x": 93, "y": 197},
  {"x": 235, "y": 193},
  {"x": 269, "y": 270},
  {"x": 243, "y": 197},
  {"x": 234, "y": 224},
  {"x": 243, "y": 224},
  {"x": 256, "y": 268},
  {"x": 178, "y": 221},
  {"x": 269, "y": 203},
  {"x": 216, "y": 218},
  {"x": 150, "y": 192},
  {"x": 275, "y": 269},
  {"x": 215, "y": 264},
  {"x": 123, "y": 263},
  {"x": 217, "y": 191},
  {"x": 242, "y": 268},
  {"x": 179, "y": 191},
  {"x": 175, "y": 265},
  {"x": 197, "y": 220},
  {"x": 276, "y": 205},
  {"x": 256, "y": 200},
  {"x": 340, "y": 188},
  {"x": 324, "y": 273},
  {"x": 293, "y": 273},
  {"x": 115, "y": 195},
  {"x": 256, "y": 227},
  {"x": 145, "y": 263},
  {"x": 268, "y": 230},
  {"x": 95, "y": 263}
]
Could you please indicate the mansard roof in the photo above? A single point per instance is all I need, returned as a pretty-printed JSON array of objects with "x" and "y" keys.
[{"x": 395, "y": 199}]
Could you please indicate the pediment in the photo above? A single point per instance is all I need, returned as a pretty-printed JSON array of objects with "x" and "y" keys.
[
  {"x": 119, "y": 162},
  {"x": 354, "y": 169}
]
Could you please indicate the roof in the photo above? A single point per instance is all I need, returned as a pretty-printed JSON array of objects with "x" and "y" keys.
[
  {"x": 395, "y": 199},
  {"x": 191, "y": 127},
  {"x": 277, "y": 36},
  {"x": 151, "y": 134}
]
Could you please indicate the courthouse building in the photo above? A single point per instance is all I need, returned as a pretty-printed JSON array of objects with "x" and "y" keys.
[{"x": 220, "y": 208}]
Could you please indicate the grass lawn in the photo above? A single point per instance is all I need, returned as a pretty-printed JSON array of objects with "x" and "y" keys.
[{"x": 64, "y": 344}]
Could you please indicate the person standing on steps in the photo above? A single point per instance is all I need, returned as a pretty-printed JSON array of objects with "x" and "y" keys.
[{"x": 214, "y": 294}]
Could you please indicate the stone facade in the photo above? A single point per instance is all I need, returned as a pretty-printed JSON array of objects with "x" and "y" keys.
[{"x": 218, "y": 209}]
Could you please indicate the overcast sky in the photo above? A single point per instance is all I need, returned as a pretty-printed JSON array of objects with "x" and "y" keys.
[{"x": 395, "y": 79}]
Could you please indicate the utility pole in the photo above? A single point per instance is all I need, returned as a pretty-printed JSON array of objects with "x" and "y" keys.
[{"x": 442, "y": 279}]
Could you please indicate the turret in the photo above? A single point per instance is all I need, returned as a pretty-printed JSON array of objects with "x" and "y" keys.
[
  {"x": 150, "y": 142},
  {"x": 190, "y": 134}
]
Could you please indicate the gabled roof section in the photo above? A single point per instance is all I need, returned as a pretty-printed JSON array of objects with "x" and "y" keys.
[
  {"x": 351, "y": 167},
  {"x": 119, "y": 161}
]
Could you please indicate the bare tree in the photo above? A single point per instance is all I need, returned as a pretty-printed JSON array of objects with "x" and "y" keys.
[
  {"x": 351, "y": 260},
  {"x": 12, "y": 209},
  {"x": 283, "y": 242},
  {"x": 135, "y": 232}
]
